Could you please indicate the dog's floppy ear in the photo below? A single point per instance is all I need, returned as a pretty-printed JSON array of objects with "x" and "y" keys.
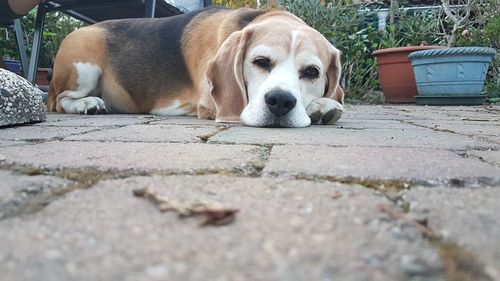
[
  {"x": 333, "y": 89},
  {"x": 225, "y": 73}
]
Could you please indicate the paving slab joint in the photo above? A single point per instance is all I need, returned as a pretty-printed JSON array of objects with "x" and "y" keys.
[
  {"x": 205, "y": 138},
  {"x": 391, "y": 189},
  {"x": 458, "y": 263},
  {"x": 81, "y": 179},
  {"x": 493, "y": 110},
  {"x": 38, "y": 202},
  {"x": 480, "y": 158},
  {"x": 431, "y": 128},
  {"x": 264, "y": 153},
  {"x": 442, "y": 130},
  {"x": 87, "y": 177}
]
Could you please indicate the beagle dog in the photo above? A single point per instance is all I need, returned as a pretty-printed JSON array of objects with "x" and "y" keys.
[{"x": 260, "y": 68}]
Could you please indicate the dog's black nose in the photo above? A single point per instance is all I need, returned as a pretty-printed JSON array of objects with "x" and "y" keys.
[{"x": 280, "y": 103}]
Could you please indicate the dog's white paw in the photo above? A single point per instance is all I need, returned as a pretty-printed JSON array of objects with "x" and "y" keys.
[
  {"x": 87, "y": 105},
  {"x": 324, "y": 111}
]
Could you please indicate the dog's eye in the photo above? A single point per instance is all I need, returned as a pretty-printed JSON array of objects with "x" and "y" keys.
[
  {"x": 264, "y": 63},
  {"x": 310, "y": 72}
]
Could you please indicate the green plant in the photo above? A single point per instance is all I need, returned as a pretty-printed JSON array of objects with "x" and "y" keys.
[
  {"x": 57, "y": 26},
  {"x": 353, "y": 33},
  {"x": 391, "y": 38},
  {"x": 8, "y": 46},
  {"x": 412, "y": 29},
  {"x": 236, "y": 3},
  {"x": 492, "y": 87},
  {"x": 486, "y": 32}
]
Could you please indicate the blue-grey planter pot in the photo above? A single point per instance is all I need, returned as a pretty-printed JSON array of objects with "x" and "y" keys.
[{"x": 451, "y": 76}]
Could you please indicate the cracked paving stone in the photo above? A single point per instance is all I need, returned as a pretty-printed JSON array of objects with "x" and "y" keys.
[
  {"x": 410, "y": 136},
  {"x": 491, "y": 129},
  {"x": 489, "y": 156},
  {"x": 469, "y": 216},
  {"x": 400, "y": 113},
  {"x": 166, "y": 157},
  {"x": 40, "y": 132},
  {"x": 429, "y": 166},
  {"x": 101, "y": 121},
  {"x": 285, "y": 230},
  {"x": 189, "y": 120},
  {"x": 370, "y": 124},
  {"x": 24, "y": 194},
  {"x": 11, "y": 143},
  {"x": 55, "y": 117},
  {"x": 150, "y": 133}
]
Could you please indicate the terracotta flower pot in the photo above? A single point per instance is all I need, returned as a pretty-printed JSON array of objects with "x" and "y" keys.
[
  {"x": 396, "y": 73},
  {"x": 41, "y": 77}
]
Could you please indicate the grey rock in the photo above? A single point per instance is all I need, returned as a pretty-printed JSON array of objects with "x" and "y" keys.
[{"x": 20, "y": 101}]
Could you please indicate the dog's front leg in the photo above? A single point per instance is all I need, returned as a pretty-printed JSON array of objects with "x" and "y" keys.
[{"x": 324, "y": 111}]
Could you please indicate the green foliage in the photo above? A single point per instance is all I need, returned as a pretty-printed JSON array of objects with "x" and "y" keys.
[
  {"x": 355, "y": 34},
  {"x": 57, "y": 26},
  {"x": 412, "y": 29},
  {"x": 486, "y": 34},
  {"x": 8, "y": 46},
  {"x": 234, "y": 4},
  {"x": 352, "y": 33}
]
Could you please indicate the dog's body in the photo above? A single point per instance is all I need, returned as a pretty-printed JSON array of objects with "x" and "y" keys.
[{"x": 260, "y": 68}]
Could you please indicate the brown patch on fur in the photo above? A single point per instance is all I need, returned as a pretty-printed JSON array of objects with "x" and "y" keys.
[
  {"x": 225, "y": 73},
  {"x": 334, "y": 91},
  {"x": 200, "y": 47},
  {"x": 117, "y": 99},
  {"x": 87, "y": 45},
  {"x": 183, "y": 96},
  {"x": 330, "y": 57},
  {"x": 84, "y": 45}
]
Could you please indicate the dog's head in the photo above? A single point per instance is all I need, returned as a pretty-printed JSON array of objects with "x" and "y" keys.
[{"x": 266, "y": 74}]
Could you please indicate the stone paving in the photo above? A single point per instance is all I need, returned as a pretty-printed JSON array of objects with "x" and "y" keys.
[{"x": 388, "y": 193}]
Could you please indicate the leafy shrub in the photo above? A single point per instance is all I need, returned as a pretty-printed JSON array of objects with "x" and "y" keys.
[
  {"x": 236, "y": 3},
  {"x": 350, "y": 32},
  {"x": 486, "y": 34},
  {"x": 355, "y": 34},
  {"x": 412, "y": 28},
  {"x": 57, "y": 26}
]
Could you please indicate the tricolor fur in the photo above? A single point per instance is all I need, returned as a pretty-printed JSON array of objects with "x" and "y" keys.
[{"x": 233, "y": 66}]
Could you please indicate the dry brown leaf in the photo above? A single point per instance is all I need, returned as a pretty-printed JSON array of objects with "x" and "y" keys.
[
  {"x": 215, "y": 213},
  {"x": 337, "y": 195},
  {"x": 421, "y": 224}
]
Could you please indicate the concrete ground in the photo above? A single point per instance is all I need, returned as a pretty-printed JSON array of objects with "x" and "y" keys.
[{"x": 389, "y": 193}]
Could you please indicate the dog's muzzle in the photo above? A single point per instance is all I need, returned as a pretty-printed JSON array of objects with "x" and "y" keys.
[{"x": 280, "y": 102}]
